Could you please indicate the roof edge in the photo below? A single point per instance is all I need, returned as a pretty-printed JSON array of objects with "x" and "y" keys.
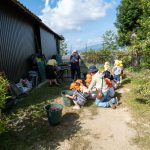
[{"x": 36, "y": 18}]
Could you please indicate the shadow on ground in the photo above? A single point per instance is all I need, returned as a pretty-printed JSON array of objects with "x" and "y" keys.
[
  {"x": 142, "y": 100},
  {"x": 89, "y": 102},
  {"x": 28, "y": 127},
  {"x": 126, "y": 81},
  {"x": 37, "y": 133},
  {"x": 40, "y": 96}
]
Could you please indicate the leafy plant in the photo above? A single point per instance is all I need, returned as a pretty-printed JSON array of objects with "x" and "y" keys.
[
  {"x": 143, "y": 91},
  {"x": 133, "y": 24},
  {"x": 128, "y": 14},
  {"x": 63, "y": 47},
  {"x": 4, "y": 84},
  {"x": 110, "y": 40},
  {"x": 95, "y": 57}
]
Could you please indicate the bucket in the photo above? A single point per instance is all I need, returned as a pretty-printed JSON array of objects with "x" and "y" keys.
[
  {"x": 54, "y": 113},
  {"x": 67, "y": 101}
]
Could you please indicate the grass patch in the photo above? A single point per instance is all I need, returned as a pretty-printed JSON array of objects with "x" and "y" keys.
[
  {"x": 79, "y": 142},
  {"x": 93, "y": 109},
  {"x": 28, "y": 127},
  {"x": 139, "y": 100}
]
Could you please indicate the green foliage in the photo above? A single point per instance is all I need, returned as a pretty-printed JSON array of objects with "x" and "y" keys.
[
  {"x": 4, "y": 84},
  {"x": 91, "y": 56},
  {"x": 141, "y": 52},
  {"x": 133, "y": 24},
  {"x": 144, "y": 20},
  {"x": 139, "y": 100},
  {"x": 2, "y": 124},
  {"x": 146, "y": 54},
  {"x": 110, "y": 40},
  {"x": 128, "y": 14},
  {"x": 125, "y": 56},
  {"x": 63, "y": 47},
  {"x": 28, "y": 125},
  {"x": 102, "y": 56},
  {"x": 142, "y": 90},
  {"x": 94, "y": 57},
  {"x": 144, "y": 33}
]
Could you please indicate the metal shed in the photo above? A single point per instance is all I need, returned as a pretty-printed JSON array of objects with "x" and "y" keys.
[{"x": 21, "y": 35}]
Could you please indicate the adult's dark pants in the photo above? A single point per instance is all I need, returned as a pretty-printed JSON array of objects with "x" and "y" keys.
[{"x": 75, "y": 69}]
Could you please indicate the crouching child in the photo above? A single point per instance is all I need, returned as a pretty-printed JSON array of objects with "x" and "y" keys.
[{"x": 79, "y": 97}]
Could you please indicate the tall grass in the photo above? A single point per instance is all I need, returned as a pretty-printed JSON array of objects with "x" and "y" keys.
[{"x": 139, "y": 101}]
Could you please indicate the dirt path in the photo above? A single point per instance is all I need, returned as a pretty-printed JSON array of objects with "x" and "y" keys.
[{"x": 105, "y": 129}]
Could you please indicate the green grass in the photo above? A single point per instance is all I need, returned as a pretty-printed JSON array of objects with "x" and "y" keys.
[
  {"x": 93, "y": 109},
  {"x": 139, "y": 101},
  {"x": 28, "y": 127}
]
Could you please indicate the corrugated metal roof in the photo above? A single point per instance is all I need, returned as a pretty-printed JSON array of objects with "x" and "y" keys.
[{"x": 20, "y": 6}]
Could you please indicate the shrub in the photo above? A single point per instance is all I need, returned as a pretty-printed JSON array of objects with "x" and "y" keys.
[
  {"x": 4, "y": 85},
  {"x": 93, "y": 56},
  {"x": 142, "y": 90}
]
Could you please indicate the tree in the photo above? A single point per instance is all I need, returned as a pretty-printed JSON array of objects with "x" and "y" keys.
[
  {"x": 144, "y": 33},
  {"x": 110, "y": 40},
  {"x": 133, "y": 24},
  {"x": 141, "y": 43},
  {"x": 63, "y": 47},
  {"x": 127, "y": 20},
  {"x": 144, "y": 20}
]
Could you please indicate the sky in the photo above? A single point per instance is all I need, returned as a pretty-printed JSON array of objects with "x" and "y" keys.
[{"x": 81, "y": 22}]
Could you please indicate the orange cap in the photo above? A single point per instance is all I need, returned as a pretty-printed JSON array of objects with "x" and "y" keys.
[
  {"x": 77, "y": 87},
  {"x": 88, "y": 80},
  {"x": 78, "y": 81},
  {"x": 72, "y": 85},
  {"x": 88, "y": 76}
]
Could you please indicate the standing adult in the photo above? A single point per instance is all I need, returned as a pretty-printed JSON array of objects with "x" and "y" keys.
[{"x": 75, "y": 67}]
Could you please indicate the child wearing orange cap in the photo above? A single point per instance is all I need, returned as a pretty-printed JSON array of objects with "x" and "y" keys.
[
  {"x": 76, "y": 85},
  {"x": 72, "y": 86},
  {"x": 79, "y": 97},
  {"x": 88, "y": 79},
  {"x": 79, "y": 81}
]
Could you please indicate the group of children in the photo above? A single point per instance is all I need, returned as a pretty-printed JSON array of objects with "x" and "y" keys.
[{"x": 111, "y": 78}]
